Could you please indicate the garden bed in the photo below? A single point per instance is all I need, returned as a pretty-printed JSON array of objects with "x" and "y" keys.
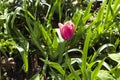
[{"x": 59, "y": 40}]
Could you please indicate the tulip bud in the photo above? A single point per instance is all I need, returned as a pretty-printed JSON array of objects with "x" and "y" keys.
[{"x": 67, "y": 30}]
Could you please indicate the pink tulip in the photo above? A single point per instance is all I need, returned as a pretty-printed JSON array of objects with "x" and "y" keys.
[{"x": 67, "y": 30}]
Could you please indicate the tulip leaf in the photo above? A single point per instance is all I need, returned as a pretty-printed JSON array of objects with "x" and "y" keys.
[
  {"x": 104, "y": 75},
  {"x": 35, "y": 77},
  {"x": 45, "y": 35},
  {"x": 54, "y": 45},
  {"x": 101, "y": 12},
  {"x": 76, "y": 18},
  {"x": 115, "y": 57},
  {"x": 87, "y": 13},
  {"x": 100, "y": 50},
  {"x": 54, "y": 65},
  {"x": 24, "y": 57},
  {"x": 84, "y": 55},
  {"x": 71, "y": 75},
  {"x": 97, "y": 69}
]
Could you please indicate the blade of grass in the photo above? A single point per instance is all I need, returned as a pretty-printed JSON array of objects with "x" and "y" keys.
[
  {"x": 116, "y": 3},
  {"x": 100, "y": 50},
  {"x": 84, "y": 55},
  {"x": 68, "y": 62},
  {"x": 96, "y": 70},
  {"x": 71, "y": 76},
  {"x": 35, "y": 77},
  {"x": 45, "y": 36},
  {"x": 24, "y": 57},
  {"x": 13, "y": 18},
  {"x": 44, "y": 68},
  {"x": 60, "y": 51},
  {"x": 54, "y": 65},
  {"x": 76, "y": 18},
  {"x": 87, "y": 13},
  {"x": 52, "y": 11},
  {"x": 54, "y": 45},
  {"x": 108, "y": 10},
  {"x": 54, "y": 75},
  {"x": 24, "y": 4},
  {"x": 101, "y": 12},
  {"x": 60, "y": 10}
]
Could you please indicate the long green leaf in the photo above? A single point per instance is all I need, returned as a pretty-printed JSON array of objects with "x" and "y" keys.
[
  {"x": 71, "y": 76},
  {"x": 54, "y": 45},
  {"x": 108, "y": 11},
  {"x": 84, "y": 55},
  {"x": 76, "y": 17},
  {"x": 96, "y": 70},
  {"x": 35, "y": 77},
  {"x": 101, "y": 49},
  {"x": 71, "y": 68},
  {"x": 87, "y": 13},
  {"x": 116, "y": 4},
  {"x": 105, "y": 75},
  {"x": 45, "y": 35},
  {"x": 52, "y": 11},
  {"x": 115, "y": 57},
  {"x": 24, "y": 57},
  {"x": 101, "y": 12},
  {"x": 54, "y": 65}
]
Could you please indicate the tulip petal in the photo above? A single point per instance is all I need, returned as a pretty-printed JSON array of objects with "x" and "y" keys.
[
  {"x": 60, "y": 25},
  {"x": 67, "y": 30},
  {"x": 67, "y": 33}
]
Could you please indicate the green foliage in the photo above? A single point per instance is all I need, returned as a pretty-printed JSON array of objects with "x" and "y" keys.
[
  {"x": 55, "y": 66},
  {"x": 104, "y": 75},
  {"x": 115, "y": 57},
  {"x": 30, "y": 27},
  {"x": 84, "y": 56}
]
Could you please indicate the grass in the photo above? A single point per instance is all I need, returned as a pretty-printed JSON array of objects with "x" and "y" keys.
[{"x": 29, "y": 35}]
